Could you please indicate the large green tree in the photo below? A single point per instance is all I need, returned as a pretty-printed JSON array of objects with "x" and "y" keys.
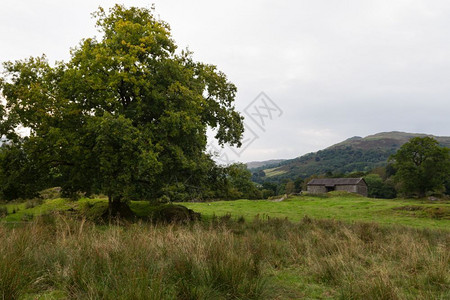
[
  {"x": 377, "y": 188},
  {"x": 240, "y": 183},
  {"x": 421, "y": 166},
  {"x": 126, "y": 116}
]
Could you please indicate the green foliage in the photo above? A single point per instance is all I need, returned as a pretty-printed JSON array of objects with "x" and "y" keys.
[
  {"x": 20, "y": 174},
  {"x": 447, "y": 186},
  {"x": 126, "y": 116},
  {"x": 298, "y": 183},
  {"x": 289, "y": 187},
  {"x": 339, "y": 160},
  {"x": 123, "y": 155},
  {"x": 270, "y": 186},
  {"x": 241, "y": 185},
  {"x": 377, "y": 188},
  {"x": 421, "y": 166}
]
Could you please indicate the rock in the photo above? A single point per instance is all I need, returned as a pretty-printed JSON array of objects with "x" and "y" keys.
[{"x": 172, "y": 213}]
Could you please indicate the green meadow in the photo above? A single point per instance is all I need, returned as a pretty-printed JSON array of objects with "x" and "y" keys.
[
  {"x": 349, "y": 208},
  {"x": 344, "y": 207},
  {"x": 329, "y": 247}
]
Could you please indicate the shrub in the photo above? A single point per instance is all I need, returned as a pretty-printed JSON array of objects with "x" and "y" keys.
[{"x": 377, "y": 188}]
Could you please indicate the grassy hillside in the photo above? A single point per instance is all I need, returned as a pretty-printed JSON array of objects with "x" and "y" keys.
[
  {"x": 352, "y": 155},
  {"x": 387, "y": 140},
  {"x": 259, "y": 164}
]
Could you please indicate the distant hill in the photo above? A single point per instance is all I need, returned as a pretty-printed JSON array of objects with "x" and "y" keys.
[
  {"x": 352, "y": 155},
  {"x": 259, "y": 164}
]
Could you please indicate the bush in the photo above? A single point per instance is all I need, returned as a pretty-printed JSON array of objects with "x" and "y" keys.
[{"x": 377, "y": 188}]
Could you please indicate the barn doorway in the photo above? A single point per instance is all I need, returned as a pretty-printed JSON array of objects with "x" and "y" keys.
[{"x": 330, "y": 188}]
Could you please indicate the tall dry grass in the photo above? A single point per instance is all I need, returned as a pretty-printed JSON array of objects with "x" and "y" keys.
[{"x": 222, "y": 259}]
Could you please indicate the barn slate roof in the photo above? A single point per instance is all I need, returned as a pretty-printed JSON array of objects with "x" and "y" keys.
[{"x": 336, "y": 181}]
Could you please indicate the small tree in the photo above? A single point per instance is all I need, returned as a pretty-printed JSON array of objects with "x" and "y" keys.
[
  {"x": 422, "y": 166},
  {"x": 290, "y": 187},
  {"x": 267, "y": 185},
  {"x": 239, "y": 178},
  {"x": 298, "y": 184}
]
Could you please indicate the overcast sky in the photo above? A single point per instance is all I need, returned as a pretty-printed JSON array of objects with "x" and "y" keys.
[{"x": 329, "y": 69}]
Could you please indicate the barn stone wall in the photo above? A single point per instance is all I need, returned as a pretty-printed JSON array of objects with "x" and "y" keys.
[
  {"x": 316, "y": 189},
  {"x": 361, "y": 189},
  {"x": 347, "y": 188}
]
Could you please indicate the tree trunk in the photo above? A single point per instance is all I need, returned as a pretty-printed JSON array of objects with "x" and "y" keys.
[{"x": 118, "y": 208}]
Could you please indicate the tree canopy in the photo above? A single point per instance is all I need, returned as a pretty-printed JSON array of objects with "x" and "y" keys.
[
  {"x": 421, "y": 166},
  {"x": 126, "y": 116}
]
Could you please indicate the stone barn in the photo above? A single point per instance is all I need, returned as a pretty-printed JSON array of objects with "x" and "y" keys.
[{"x": 324, "y": 185}]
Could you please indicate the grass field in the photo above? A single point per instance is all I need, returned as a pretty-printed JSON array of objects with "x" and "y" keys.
[
  {"x": 66, "y": 258},
  {"x": 302, "y": 248},
  {"x": 346, "y": 207},
  {"x": 409, "y": 212}
]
